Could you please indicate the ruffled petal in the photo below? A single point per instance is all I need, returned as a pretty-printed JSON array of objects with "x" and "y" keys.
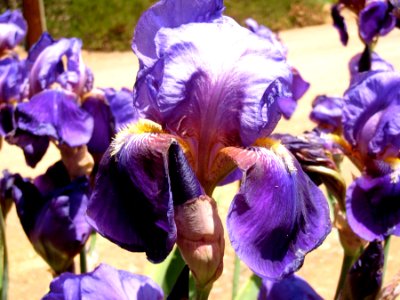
[
  {"x": 228, "y": 93},
  {"x": 278, "y": 215},
  {"x": 370, "y": 113},
  {"x": 372, "y": 206},
  {"x": 13, "y": 29},
  {"x": 137, "y": 185},
  {"x": 55, "y": 113},
  {"x": 170, "y": 14},
  {"x": 375, "y": 19},
  {"x": 104, "y": 283},
  {"x": 47, "y": 66}
]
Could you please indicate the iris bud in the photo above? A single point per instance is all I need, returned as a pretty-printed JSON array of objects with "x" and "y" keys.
[{"x": 201, "y": 239}]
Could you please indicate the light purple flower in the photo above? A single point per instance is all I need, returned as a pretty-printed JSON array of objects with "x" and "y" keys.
[
  {"x": 12, "y": 29},
  {"x": 104, "y": 283},
  {"x": 210, "y": 91},
  {"x": 47, "y": 67}
]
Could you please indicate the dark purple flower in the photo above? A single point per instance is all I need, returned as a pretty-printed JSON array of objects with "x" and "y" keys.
[
  {"x": 327, "y": 113},
  {"x": 292, "y": 287},
  {"x": 373, "y": 206},
  {"x": 209, "y": 90},
  {"x": 52, "y": 213},
  {"x": 339, "y": 23},
  {"x": 104, "y": 283},
  {"x": 371, "y": 114},
  {"x": 365, "y": 277},
  {"x": 47, "y": 67},
  {"x": 12, "y": 29},
  {"x": 375, "y": 20}
]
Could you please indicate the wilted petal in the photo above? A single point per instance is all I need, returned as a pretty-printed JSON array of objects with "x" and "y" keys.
[
  {"x": 339, "y": 23},
  {"x": 104, "y": 283},
  {"x": 365, "y": 277},
  {"x": 371, "y": 113},
  {"x": 373, "y": 206},
  {"x": 278, "y": 215},
  {"x": 55, "y": 113},
  {"x": 292, "y": 287},
  {"x": 12, "y": 29},
  {"x": 327, "y": 112},
  {"x": 375, "y": 19},
  {"x": 170, "y": 14},
  {"x": 135, "y": 191}
]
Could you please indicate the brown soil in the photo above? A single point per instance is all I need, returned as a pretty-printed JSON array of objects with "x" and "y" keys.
[{"x": 318, "y": 54}]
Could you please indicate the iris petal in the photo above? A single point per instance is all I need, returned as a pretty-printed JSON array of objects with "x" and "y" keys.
[
  {"x": 104, "y": 283},
  {"x": 55, "y": 113},
  {"x": 278, "y": 215},
  {"x": 12, "y": 29},
  {"x": 133, "y": 202},
  {"x": 170, "y": 14},
  {"x": 372, "y": 206}
]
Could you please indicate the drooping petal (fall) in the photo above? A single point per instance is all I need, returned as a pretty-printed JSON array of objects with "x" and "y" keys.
[
  {"x": 373, "y": 206},
  {"x": 135, "y": 192},
  {"x": 55, "y": 114},
  {"x": 278, "y": 215}
]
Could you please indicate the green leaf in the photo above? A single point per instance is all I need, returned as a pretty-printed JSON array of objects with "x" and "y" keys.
[
  {"x": 167, "y": 272},
  {"x": 250, "y": 290}
]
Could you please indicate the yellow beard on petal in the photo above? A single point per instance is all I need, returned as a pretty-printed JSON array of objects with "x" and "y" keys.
[{"x": 140, "y": 127}]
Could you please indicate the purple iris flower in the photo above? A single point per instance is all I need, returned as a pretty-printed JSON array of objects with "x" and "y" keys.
[
  {"x": 292, "y": 287},
  {"x": 104, "y": 283},
  {"x": 375, "y": 20},
  {"x": 210, "y": 90},
  {"x": 46, "y": 66},
  {"x": 58, "y": 80},
  {"x": 12, "y": 29},
  {"x": 52, "y": 213},
  {"x": 371, "y": 126},
  {"x": 371, "y": 114}
]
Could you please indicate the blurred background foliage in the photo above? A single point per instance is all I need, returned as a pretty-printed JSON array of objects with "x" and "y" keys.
[{"x": 107, "y": 25}]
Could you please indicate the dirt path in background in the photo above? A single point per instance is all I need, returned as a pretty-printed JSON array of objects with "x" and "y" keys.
[{"x": 317, "y": 54}]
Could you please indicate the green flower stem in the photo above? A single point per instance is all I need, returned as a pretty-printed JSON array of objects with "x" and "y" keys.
[
  {"x": 83, "y": 261},
  {"x": 202, "y": 294},
  {"x": 346, "y": 265},
  {"x": 386, "y": 246},
  {"x": 236, "y": 276}
]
